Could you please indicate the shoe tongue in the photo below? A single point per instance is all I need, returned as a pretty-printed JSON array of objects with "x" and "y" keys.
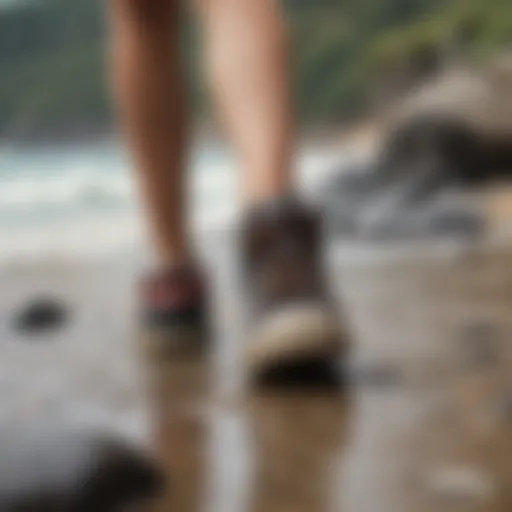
[
  {"x": 281, "y": 250},
  {"x": 277, "y": 229}
]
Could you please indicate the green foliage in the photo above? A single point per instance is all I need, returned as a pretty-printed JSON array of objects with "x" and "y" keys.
[{"x": 52, "y": 72}]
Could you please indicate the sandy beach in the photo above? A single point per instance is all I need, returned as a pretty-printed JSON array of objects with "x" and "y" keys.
[
  {"x": 423, "y": 405},
  {"x": 424, "y": 426}
]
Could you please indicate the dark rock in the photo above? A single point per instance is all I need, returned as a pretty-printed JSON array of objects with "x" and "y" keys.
[
  {"x": 41, "y": 315},
  {"x": 71, "y": 470},
  {"x": 454, "y": 133},
  {"x": 463, "y": 116},
  {"x": 419, "y": 206},
  {"x": 403, "y": 196},
  {"x": 450, "y": 147}
]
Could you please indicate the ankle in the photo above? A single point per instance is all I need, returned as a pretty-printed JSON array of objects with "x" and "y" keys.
[
  {"x": 278, "y": 207},
  {"x": 185, "y": 283},
  {"x": 257, "y": 200},
  {"x": 173, "y": 257}
]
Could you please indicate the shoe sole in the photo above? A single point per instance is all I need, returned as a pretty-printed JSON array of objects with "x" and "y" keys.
[{"x": 296, "y": 344}]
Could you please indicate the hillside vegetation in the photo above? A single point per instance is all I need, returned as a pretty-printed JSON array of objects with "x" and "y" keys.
[{"x": 52, "y": 70}]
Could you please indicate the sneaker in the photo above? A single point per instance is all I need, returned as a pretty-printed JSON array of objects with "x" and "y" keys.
[
  {"x": 174, "y": 314},
  {"x": 296, "y": 336}
]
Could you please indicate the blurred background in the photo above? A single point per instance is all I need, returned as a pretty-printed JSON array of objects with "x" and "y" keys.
[
  {"x": 405, "y": 111},
  {"x": 53, "y": 73},
  {"x": 60, "y": 160}
]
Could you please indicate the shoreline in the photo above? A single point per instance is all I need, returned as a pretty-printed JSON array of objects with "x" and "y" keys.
[{"x": 336, "y": 135}]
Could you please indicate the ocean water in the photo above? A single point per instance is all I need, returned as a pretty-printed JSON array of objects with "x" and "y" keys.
[{"x": 81, "y": 200}]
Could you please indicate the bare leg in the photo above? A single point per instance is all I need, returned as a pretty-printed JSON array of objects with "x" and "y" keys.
[
  {"x": 294, "y": 334},
  {"x": 149, "y": 94},
  {"x": 248, "y": 66}
]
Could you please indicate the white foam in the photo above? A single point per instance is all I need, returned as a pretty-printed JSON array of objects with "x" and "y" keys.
[{"x": 74, "y": 203}]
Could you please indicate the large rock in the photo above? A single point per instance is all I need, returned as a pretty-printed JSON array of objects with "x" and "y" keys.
[
  {"x": 480, "y": 98},
  {"x": 447, "y": 137},
  {"x": 404, "y": 206},
  {"x": 463, "y": 119},
  {"x": 66, "y": 469}
]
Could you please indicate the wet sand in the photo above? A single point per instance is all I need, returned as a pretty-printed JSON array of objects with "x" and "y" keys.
[{"x": 425, "y": 425}]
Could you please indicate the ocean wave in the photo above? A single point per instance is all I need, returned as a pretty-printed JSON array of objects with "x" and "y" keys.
[
  {"x": 36, "y": 183},
  {"x": 63, "y": 191},
  {"x": 59, "y": 204}
]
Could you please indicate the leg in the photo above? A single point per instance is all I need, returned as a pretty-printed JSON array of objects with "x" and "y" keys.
[
  {"x": 248, "y": 66},
  {"x": 149, "y": 94},
  {"x": 296, "y": 333}
]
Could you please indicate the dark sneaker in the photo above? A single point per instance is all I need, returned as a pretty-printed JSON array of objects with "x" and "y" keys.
[
  {"x": 174, "y": 314},
  {"x": 296, "y": 336}
]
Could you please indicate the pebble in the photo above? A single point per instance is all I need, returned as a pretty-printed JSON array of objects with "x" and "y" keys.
[
  {"x": 41, "y": 314},
  {"x": 72, "y": 468}
]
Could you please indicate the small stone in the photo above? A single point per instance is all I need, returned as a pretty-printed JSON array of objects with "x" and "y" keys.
[
  {"x": 67, "y": 468},
  {"x": 461, "y": 483},
  {"x": 41, "y": 315}
]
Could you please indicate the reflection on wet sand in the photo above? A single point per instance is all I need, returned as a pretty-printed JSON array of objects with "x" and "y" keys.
[
  {"x": 298, "y": 441},
  {"x": 178, "y": 394},
  {"x": 271, "y": 451},
  {"x": 424, "y": 427}
]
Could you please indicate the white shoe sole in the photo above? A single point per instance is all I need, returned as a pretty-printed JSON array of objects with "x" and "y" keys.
[{"x": 295, "y": 333}]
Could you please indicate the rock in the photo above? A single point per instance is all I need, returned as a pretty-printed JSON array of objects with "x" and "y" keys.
[
  {"x": 41, "y": 315},
  {"x": 418, "y": 207},
  {"x": 461, "y": 484},
  {"x": 453, "y": 133},
  {"x": 410, "y": 194},
  {"x": 71, "y": 469},
  {"x": 465, "y": 116},
  {"x": 449, "y": 147},
  {"x": 344, "y": 194}
]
